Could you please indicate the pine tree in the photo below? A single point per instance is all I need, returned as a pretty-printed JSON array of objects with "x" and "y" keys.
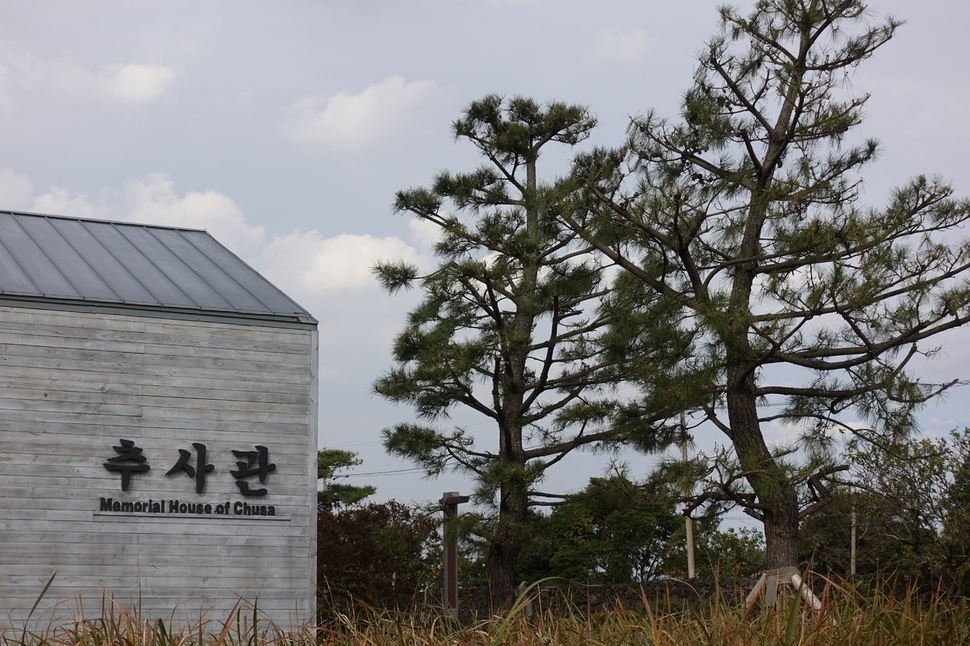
[
  {"x": 507, "y": 325},
  {"x": 799, "y": 304},
  {"x": 335, "y": 495}
]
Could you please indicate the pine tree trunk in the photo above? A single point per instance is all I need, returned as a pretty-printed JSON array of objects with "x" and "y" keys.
[
  {"x": 781, "y": 529},
  {"x": 506, "y": 544},
  {"x": 777, "y": 497},
  {"x": 776, "y": 494},
  {"x": 504, "y": 549}
]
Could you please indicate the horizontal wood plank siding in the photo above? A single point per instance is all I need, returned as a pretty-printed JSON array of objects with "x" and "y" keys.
[{"x": 73, "y": 385}]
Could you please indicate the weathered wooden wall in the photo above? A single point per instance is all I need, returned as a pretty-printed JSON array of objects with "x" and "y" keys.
[{"x": 72, "y": 385}]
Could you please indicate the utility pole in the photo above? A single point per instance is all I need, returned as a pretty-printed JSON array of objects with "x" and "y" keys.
[
  {"x": 689, "y": 524},
  {"x": 853, "y": 546}
]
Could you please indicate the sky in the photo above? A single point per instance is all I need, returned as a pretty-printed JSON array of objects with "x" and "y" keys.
[{"x": 284, "y": 128}]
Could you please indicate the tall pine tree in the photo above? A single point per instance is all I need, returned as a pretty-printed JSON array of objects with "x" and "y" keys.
[
  {"x": 507, "y": 325},
  {"x": 801, "y": 304}
]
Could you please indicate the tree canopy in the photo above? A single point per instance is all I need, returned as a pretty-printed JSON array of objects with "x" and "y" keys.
[
  {"x": 613, "y": 531},
  {"x": 380, "y": 554},
  {"x": 757, "y": 290},
  {"x": 910, "y": 503},
  {"x": 338, "y": 494},
  {"x": 507, "y": 326},
  {"x": 741, "y": 232}
]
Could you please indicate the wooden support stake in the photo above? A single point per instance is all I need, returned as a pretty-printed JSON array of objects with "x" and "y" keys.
[
  {"x": 767, "y": 585},
  {"x": 807, "y": 593},
  {"x": 756, "y": 591}
]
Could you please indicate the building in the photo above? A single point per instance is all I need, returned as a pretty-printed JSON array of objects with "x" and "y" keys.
[{"x": 158, "y": 428}]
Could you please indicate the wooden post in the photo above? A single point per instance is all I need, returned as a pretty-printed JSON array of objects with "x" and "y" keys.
[{"x": 449, "y": 504}]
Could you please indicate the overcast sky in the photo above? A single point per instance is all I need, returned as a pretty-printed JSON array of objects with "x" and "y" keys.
[{"x": 285, "y": 127}]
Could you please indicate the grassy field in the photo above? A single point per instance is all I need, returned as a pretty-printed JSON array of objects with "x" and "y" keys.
[{"x": 847, "y": 618}]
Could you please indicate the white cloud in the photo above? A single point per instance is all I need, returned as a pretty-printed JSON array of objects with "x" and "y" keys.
[
  {"x": 614, "y": 44},
  {"x": 153, "y": 200},
  {"x": 18, "y": 69},
  {"x": 355, "y": 121},
  {"x": 130, "y": 83},
  {"x": 311, "y": 263},
  {"x": 425, "y": 234},
  {"x": 148, "y": 200},
  {"x": 17, "y": 194},
  {"x": 133, "y": 83},
  {"x": 16, "y": 191},
  {"x": 59, "y": 201},
  {"x": 305, "y": 264}
]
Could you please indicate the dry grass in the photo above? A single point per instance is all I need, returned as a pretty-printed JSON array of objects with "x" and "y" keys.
[{"x": 848, "y": 618}]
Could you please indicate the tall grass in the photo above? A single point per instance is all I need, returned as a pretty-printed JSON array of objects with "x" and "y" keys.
[{"x": 849, "y": 617}]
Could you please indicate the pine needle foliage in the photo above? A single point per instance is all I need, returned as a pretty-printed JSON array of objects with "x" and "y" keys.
[
  {"x": 507, "y": 328},
  {"x": 796, "y": 302}
]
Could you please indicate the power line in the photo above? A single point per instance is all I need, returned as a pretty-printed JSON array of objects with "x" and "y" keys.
[
  {"x": 342, "y": 446},
  {"x": 380, "y": 473}
]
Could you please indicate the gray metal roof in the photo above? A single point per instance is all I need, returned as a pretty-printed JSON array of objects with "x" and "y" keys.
[{"x": 73, "y": 260}]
